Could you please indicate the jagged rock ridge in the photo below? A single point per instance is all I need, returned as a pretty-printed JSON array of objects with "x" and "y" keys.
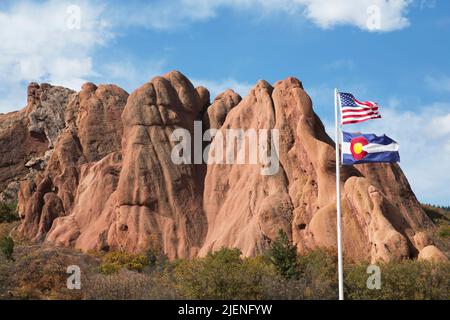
[{"x": 94, "y": 171}]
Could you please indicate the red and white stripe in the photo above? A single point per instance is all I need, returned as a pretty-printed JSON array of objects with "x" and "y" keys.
[{"x": 365, "y": 110}]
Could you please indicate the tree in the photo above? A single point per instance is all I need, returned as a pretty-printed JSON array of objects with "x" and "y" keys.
[
  {"x": 283, "y": 255},
  {"x": 7, "y": 247},
  {"x": 8, "y": 212}
]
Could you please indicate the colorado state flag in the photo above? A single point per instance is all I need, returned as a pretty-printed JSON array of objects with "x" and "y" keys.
[{"x": 366, "y": 148}]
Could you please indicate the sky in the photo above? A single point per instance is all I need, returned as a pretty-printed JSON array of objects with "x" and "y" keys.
[{"x": 394, "y": 52}]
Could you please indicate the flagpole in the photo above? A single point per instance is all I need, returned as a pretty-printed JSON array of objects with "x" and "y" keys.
[{"x": 338, "y": 198}]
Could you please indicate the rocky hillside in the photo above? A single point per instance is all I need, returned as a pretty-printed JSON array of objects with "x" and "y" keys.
[{"x": 93, "y": 170}]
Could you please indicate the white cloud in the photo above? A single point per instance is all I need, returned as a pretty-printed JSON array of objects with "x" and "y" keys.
[
  {"x": 440, "y": 126},
  {"x": 217, "y": 87},
  {"x": 40, "y": 42},
  {"x": 439, "y": 83},
  {"x": 424, "y": 138},
  {"x": 368, "y": 15},
  {"x": 425, "y": 151}
]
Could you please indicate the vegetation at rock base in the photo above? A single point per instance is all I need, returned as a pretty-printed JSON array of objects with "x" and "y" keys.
[
  {"x": 439, "y": 215},
  {"x": 444, "y": 208},
  {"x": 8, "y": 212},
  {"x": 444, "y": 231},
  {"x": 283, "y": 255},
  {"x": 40, "y": 272},
  {"x": 407, "y": 280},
  {"x": 440, "y": 233},
  {"x": 221, "y": 275},
  {"x": 116, "y": 260},
  {"x": 7, "y": 247}
]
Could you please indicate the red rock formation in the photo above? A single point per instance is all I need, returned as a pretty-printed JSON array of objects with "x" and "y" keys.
[
  {"x": 92, "y": 129},
  {"x": 110, "y": 182},
  {"x": 216, "y": 114},
  {"x": 26, "y": 134},
  {"x": 431, "y": 253},
  {"x": 245, "y": 209},
  {"x": 14, "y": 159},
  {"x": 130, "y": 203}
]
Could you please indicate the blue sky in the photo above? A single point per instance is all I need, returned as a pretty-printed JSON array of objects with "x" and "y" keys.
[{"x": 396, "y": 52}]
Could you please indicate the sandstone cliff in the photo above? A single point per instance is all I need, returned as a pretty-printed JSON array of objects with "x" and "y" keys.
[{"x": 95, "y": 172}]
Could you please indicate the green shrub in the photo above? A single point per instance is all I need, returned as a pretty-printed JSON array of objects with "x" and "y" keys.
[
  {"x": 117, "y": 260},
  {"x": 283, "y": 255},
  {"x": 439, "y": 215},
  {"x": 7, "y": 247},
  {"x": 318, "y": 269},
  {"x": 444, "y": 231},
  {"x": 41, "y": 274},
  {"x": 156, "y": 259},
  {"x": 221, "y": 275},
  {"x": 8, "y": 212},
  {"x": 406, "y": 280}
]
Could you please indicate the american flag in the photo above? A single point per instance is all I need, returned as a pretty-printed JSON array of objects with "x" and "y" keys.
[{"x": 354, "y": 111}]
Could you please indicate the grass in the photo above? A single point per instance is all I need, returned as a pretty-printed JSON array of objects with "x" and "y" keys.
[{"x": 40, "y": 272}]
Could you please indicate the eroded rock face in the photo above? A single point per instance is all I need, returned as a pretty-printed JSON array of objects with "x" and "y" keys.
[
  {"x": 245, "y": 209},
  {"x": 422, "y": 240},
  {"x": 216, "y": 114},
  {"x": 132, "y": 199},
  {"x": 432, "y": 253},
  {"x": 109, "y": 181},
  {"x": 92, "y": 129},
  {"x": 47, "y": 105},
  {"x": 157, "y": 199},
  {"x": 27, "y": 135}
]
